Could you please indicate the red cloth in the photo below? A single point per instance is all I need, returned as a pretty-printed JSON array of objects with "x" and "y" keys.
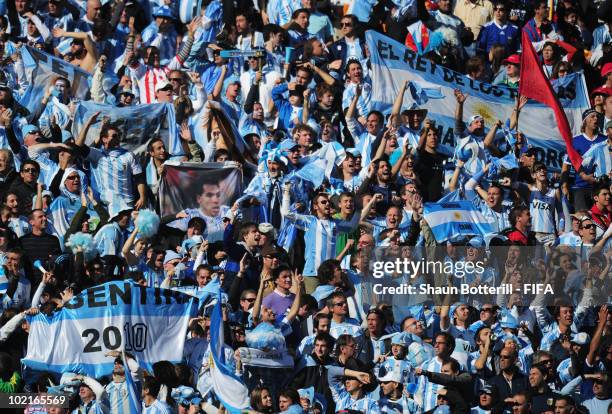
[
  {"x": 601, "y": 218},
  {"x": 534, "y": 85}
]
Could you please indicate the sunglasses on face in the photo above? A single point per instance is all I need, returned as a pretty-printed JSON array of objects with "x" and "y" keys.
[
  {"x": 588, "y": 226},
  {"x": 30, "y": 170},
  {"x": 250, "y": 300},
  {"x": 346, "y": 24}
]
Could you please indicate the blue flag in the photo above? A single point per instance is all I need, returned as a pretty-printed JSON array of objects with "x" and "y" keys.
[
  {"x": 457, "y": 218},
  {"x": 230, "y": 390}
]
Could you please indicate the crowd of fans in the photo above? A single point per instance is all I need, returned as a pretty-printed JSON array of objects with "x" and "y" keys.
[{"x": 293, "y": 258}]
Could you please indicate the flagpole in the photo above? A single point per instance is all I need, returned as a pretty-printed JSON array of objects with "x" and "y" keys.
[{"x": 518, "y": 103}]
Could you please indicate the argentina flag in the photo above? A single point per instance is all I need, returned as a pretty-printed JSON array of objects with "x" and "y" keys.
[
  {"x": 230, "y": 390},
  {"x": 135, "y": 405},
  {"x": 457, "y": 218},
  {"x": 3, "y": 281}
]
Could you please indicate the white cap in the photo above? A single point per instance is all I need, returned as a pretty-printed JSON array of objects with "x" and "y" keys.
[
  {"x": 161, "y": 85},
  {"x": 391, "y": 376}
]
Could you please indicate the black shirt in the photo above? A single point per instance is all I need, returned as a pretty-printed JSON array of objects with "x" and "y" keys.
[
  {"x": 430, "y": 170},
  {"x": 38, "y": 248}
]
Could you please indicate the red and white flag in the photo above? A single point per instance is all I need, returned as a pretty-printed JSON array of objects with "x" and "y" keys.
[{"x": 534, "y": 85}]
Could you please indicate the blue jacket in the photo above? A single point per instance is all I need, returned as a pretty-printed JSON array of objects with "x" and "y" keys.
[
  {"x": 285, "y": 109},
  {"x": 491, "y": 34},
  {"x": 339, "y": 49}
]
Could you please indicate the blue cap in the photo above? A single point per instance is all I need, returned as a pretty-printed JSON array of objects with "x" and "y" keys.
[
  {"x": 307, "y": 393},
  {"x": 399, "y": 339},
  {"x": 188, "y": 244},
  {"x": 354, "y": 152},
  {"x": 453, "y": 308},
  {"x": 171, "y": 255},
  {"x": 66, "y": 135},
  {"x": 163, "y": 11},
  {"x": 508, "y": 321},
  {"x": 231, "y": 80},
  {"x": 476, "y": 242},
  {"x": 288, "y": 144},
  {"x": 28, "y": 129}
]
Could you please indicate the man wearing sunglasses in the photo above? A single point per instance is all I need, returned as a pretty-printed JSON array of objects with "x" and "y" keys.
[
  {"x": 499, "y": 32},
  {"x": 350, "y": 45},
  {"x": 25, "y": 186}
]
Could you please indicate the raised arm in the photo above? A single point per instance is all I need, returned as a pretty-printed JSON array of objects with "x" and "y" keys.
[
  {"x": 399, "y": 100},
  {"x": 459, "y": 125},
  {"x": 297, "y": 302},
  {"x": 80, "y": 141},
  {"x": 327, "y": 78},
  {"x": 398, "y": 164},
  {"x": 219, "y": 85},
  {"x": 350, "y": 112},
  {"x": 306, "y": 106},
  {"x": 488, "y": 141},
  {"x": 521, "y": 101},
  {"x": 92, "y": 53},
  {"x": 601, "y": 325},
  {"x": 130, "y": 257},
  {"x": 259, "y": 298},
  {"x": 452, "y": 185}
]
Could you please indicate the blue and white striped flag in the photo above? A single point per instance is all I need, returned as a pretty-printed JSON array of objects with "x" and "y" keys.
[
  {"x": 230, "y": 390},
  {"x": 458, "y": 218},
  {"x": 135, "y": 405},
  {"x": 3, "y": 281}
]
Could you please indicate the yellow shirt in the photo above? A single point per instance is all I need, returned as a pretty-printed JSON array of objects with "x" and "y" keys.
[{"x": 474, "y": 14}]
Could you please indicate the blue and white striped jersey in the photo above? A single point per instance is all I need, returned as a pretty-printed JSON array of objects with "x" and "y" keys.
[
  {"x": 344, "y": 400},
  {"x": 113, "y": 173},
  {"x": 498, "y": 220},
  {"x": 320, "y": 237},
  {"x": 542, "y": 207},
  {"x": 117, "y": 397},
  {"x": 109, "y": 240},
  {"x": 365, "y": 100},
  {"x": 165, "y": 42},
  {"x": 401, "y": 366},
  {"x": 93, "y": 407},
  {"x": 157, "y": 407},
  {"x": 363, "y": 140},
  {"x": 569, "y": 239},
  {"x": 598, "y": 159},
  {"x": 427, "y": 391},
  {"x": 280, "y": 11},
  {"x": 551, "y": 336},
  {"x": 349, "y": 327},
  {"x": 419, "y": 352},
  {"x": 404, "y": 405}
]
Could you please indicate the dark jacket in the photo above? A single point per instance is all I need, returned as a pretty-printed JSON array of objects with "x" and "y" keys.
[
  {"x": 519, "y": 384},
  {"x": 314, "y": 373},
  {"x": 25, "y": 192},
  {"x": 460, "y": 389},
  {"x": 338, "y": 49}
]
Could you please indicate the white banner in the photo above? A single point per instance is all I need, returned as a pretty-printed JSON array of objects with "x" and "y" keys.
[
  {"x": 393, "y": 63},
  {"x": 150, "y": 323},
  {"x": 273, "y": 359}
]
